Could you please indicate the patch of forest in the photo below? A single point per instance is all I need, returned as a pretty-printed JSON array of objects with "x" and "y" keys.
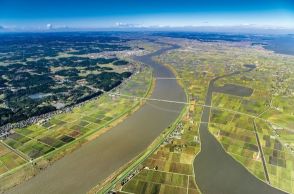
[{"x": 36, "y": 79}]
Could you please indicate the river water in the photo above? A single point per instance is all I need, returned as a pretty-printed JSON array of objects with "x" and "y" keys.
[
  {"x": 216, "y": 171},
  {"x": 281, "y": 44},
  {"x": 79, "y": 171}
]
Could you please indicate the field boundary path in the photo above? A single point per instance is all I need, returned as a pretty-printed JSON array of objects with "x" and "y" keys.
[
  {"x": 81, "y": 170},
  {"x": 20, "y": 154},
  {"x": 215, "y": 170},
  {"x": 261, "y": 152}
]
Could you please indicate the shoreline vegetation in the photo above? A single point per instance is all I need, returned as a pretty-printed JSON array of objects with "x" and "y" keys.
[
  {"x": 250, "y": 121},
  {"x": 41, "y": 74},
  {"x": 256, "y": 96},
  {"x": 33, "y": 167},
  {"x": 133, "y": 166}
]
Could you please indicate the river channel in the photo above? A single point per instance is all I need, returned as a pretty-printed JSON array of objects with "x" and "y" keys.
[
  {"x": 81, "y": 170},
  {"x": 216, "y": 171}
]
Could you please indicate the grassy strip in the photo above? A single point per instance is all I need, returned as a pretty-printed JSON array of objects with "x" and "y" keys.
[
  {"x": 150, "y": 150},
  {"x": 71, "y": 146}
]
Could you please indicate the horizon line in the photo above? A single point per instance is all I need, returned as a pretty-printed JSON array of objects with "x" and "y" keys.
[{"x": 220, "y": 29}]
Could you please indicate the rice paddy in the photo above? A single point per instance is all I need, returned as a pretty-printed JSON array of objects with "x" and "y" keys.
[
  {"x": 9, "y": 159},
  {"x": 247, "y": 109},
  {"x": 38, "y": 140}
]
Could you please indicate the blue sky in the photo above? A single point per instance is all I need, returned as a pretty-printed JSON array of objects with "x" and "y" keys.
[{"x": 109, "y": 13}]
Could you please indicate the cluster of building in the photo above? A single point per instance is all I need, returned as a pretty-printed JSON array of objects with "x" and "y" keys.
[
  {"x": 281, "y": 85},
  {"x": 6, "y": 130},
  {"x": 175, "y": 134},
  {"x": 131, "y": 175},
  {"x": 124, "y": 53}
]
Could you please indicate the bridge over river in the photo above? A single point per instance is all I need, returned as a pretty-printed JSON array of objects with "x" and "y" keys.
[
  {"x": 81, "y": 170},
  {"x": 78, "y": 172}
]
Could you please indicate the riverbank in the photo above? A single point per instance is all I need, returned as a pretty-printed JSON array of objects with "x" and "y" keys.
[
  {"x": 168, "y": 169},
  {"x": 99, "y": 158},
  {"x": 34, "y": 167},
  {"x": 213, "y": 161},
  {"x": 113, "y": 182}
]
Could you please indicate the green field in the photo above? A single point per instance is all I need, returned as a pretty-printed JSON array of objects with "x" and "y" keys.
[
  {"x": 232, "y": 119},
  {"x": 170, "y": 168},
  {"x": 9, "y": 159},
  {"x": 38, "y": 140}
]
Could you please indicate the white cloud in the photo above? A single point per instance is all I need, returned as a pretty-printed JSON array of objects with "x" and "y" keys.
[
  {"x": 126, "y": 25},
  {"x": 49, "y": 26}
]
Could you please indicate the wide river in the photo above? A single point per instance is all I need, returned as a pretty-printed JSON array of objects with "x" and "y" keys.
[{"x": 79, "y": 171}]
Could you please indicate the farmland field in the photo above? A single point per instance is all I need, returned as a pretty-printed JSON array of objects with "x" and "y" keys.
[
  {"x": 250, "y": 116},
  {"x": 53, "y": 72},
  {"x": 47, "y": 140}
]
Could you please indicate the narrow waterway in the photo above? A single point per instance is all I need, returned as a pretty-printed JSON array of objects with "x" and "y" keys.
[
  {"x": 79, "y": 171},
  {"x": 216, "y": 171}
]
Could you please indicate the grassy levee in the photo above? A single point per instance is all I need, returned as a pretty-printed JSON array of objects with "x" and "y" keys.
[
  {"x": 111, "y": 182},
  {"x": 25, "y": 171}
]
